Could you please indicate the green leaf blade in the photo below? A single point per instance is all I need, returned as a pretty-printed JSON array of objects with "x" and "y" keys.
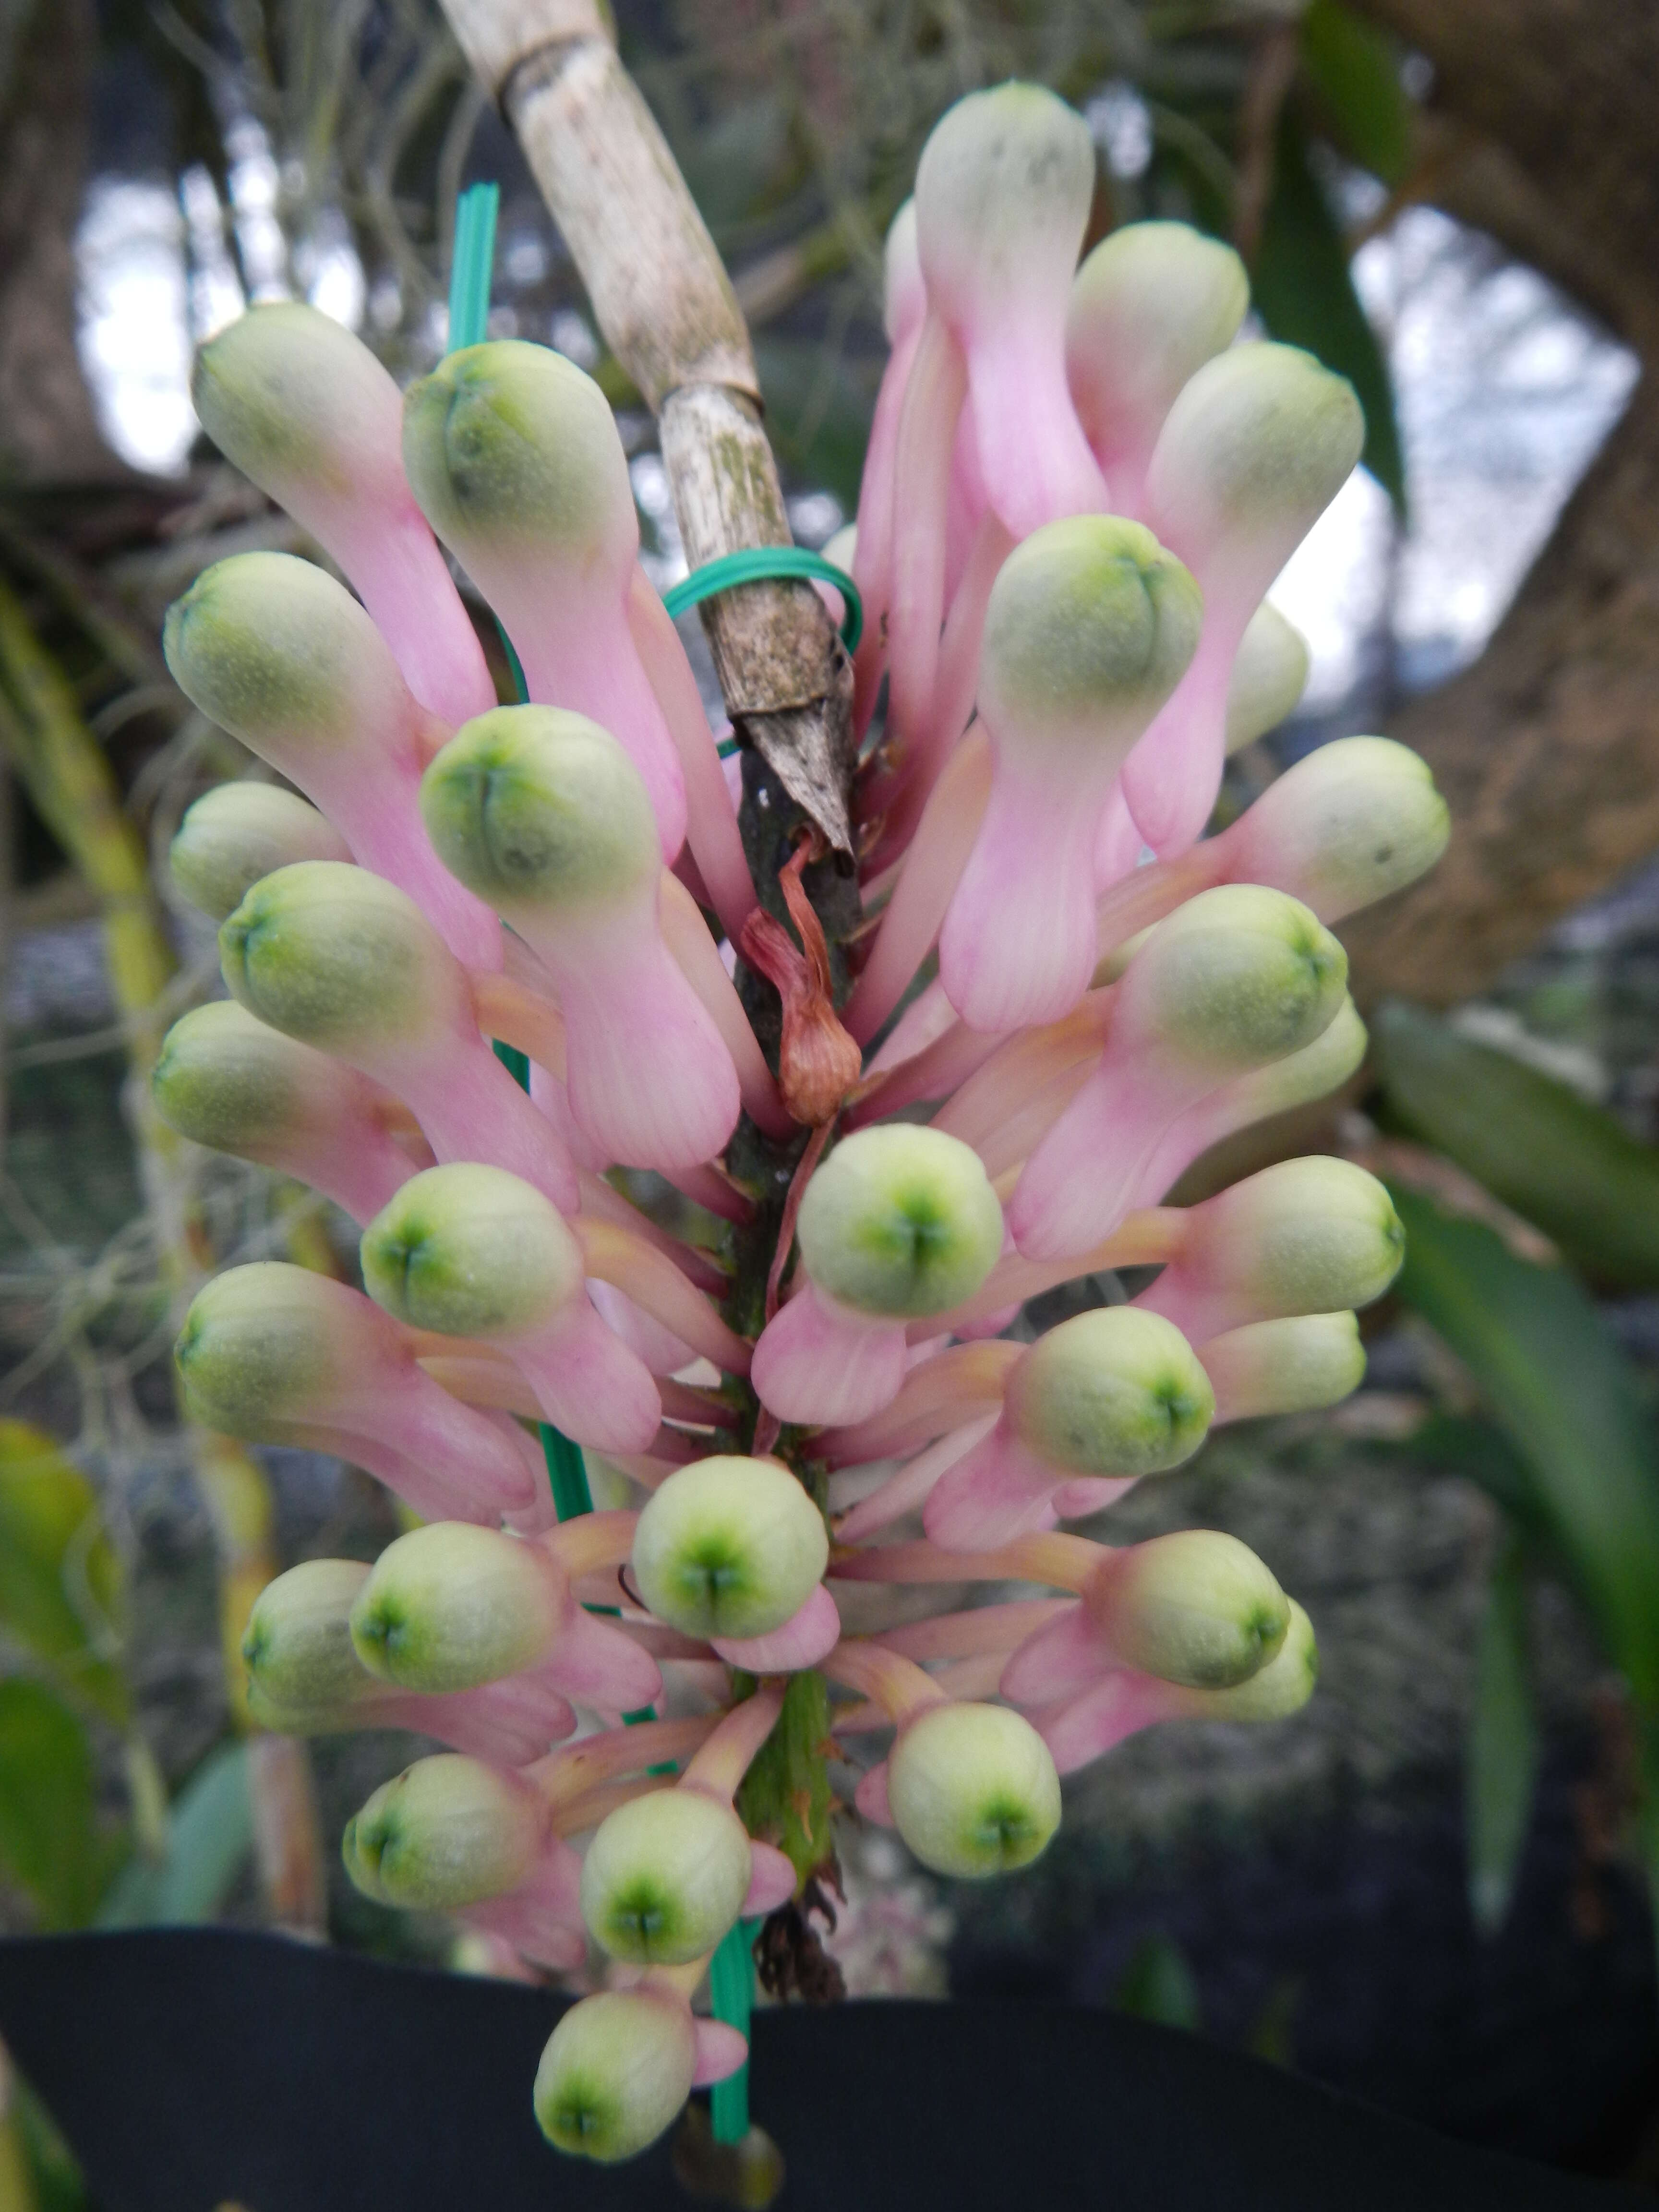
[
  {"x": 60, "y": 1580},
  {"x": 1502, "y": 1752},
  {"x": 50, "y": 1841}
]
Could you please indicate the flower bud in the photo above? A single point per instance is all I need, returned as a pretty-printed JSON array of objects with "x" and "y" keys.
[
  {"x": 729, "y": 1547},
  {"x": 343, "y": 960},
  {"x": 1095, "y": 1404},
  {"x": 1003, "y": 191},
  {"x": 237, "y": 832},
  {"x": 1089, "y": 626},
  {"x": 1237, "y": 978},
  {"x": 973, "y": 1791},
  {"x": 1305, "y": 1237},
  {"x": 1196, "y": 1608},
  {"x": 1150, "y": 306},
  {"x": 1295, "y": 1365},
  {"x": 449, "y": 1605},
  {"x": 543, "y": 814},
  {"x": 1282, "y": 1686},
  {"x": 278, "y": 1354},
  {"x": 664, "y": 1877},
  {"x": 297, "y": 1646},
  {"x": 616, "y": 2070},
  {"x": 1349, "y": 824},
  {"x": 304, "y": 409},
  {"x": 277, "y": 652},
  {"x": 1254, "y": 448},
  {"x": 1269, "y": 675},
  {"x": 899, "y": 1222},
  {"x": 472, "y": 1251},
  {"x": 515, "y": 456},
  {"x": 225, "y": 1080},
  {"x": 446, "y": 1832}
]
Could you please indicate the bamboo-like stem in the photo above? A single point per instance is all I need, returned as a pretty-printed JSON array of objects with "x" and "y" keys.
[{"x": 667, "y": 308}]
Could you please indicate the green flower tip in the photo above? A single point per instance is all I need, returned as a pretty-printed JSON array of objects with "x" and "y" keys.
[
  {"x": 451, "y": 1606},
  {"x": 973, "y": 1790},
  {"x": 614, "y": 2072},
  {"x": 1150, "y": 306},
  {"x": 1311, "y": 1236},
  {"x": 447, "y": 1831},
  {"x": 297, "y": 1645},
  {"x": 1352, "y": 822},
  {"x": 1237, "y": 977},
  {"x": 259, "y": 1347},
  {"x": 1270, "y": 673},
  {"x": 237, "y": 832},
  {"x": 999, "y": 166},
  {"x": 292, "y": 398},
  {"x": 1282, "y": 1686},
  {"x": 1264, "y": 434},
  {"x": 729, "y": 1547},
  {"x": 1089, "y": 619},
  {"x": 664, "y": 1877},
  {"x": 271, "y": 648},
  {"x": 468, "y": 1250},
  {"x": 1197, "y": 1608},
  {"x": 900, "y": 1221},
  {"x": 530, "y": 806},
  {"x": 1114, "y": 1392},
  {"x": 223, "y": 1079},
  {"x": 508, "y": 443},
  {"x": 335, "y": 956}
]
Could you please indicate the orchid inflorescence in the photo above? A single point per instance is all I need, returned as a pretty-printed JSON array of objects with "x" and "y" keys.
[{"x": 1080, "y": 486}]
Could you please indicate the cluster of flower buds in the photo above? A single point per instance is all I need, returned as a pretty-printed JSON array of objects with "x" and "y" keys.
[{"x": 1078, "y": 488}]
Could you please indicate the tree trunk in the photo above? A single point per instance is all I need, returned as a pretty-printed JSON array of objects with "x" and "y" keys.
[{"x": 1541, "y": 132}]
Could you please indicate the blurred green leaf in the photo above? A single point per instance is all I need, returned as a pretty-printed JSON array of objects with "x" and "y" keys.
[
  {"x": 1556, "y": 1382},
  {"x": 50, "y": 1840},
  {"x": 1502, "y": 1751},
  {"x": 1158, "y": 1984},
  {"x": 1563, "y": 1163},
  {"x": 54, "y": 2168},
  {"x": 60, "y": 1580},
  {"x": 210, "y": 1835},
  {"x": 817, "y": 414},
  {"x": 1354, "y": 68},
  {"x": 1303, "y": 289}
]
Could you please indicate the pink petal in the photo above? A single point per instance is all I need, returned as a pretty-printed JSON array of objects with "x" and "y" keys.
[
  {"x": 802, "y": 1641},
  {"x": 599, "y": 1665},
  {"x": 1060, "y": 1661},
  {"x": 870, "y": 1796},
  {"x": 773, "y": 1883},
  {"x": 720, "y": 2050},
  {"x": 820, "y": 1362}
]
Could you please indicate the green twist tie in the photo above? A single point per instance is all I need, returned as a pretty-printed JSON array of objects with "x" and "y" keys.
[
  {"x": 754, "y": 564},
  {"x": 731, "y": 1992}
]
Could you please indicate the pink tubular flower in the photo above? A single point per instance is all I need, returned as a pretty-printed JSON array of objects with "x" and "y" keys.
[
  {"x": 304, "y": 409},
  {"x": 280, "y": 1355},
  {"x": 1234, "y": 979},
  {"x": 275, "y": 652},
  {"x": 474, "y": 1252},
  {"x": 1255, "y": 449},
  {"x": 515, "y": 460},
  {"x": 903, "y": 308},
  {"x": 341, "y": 959},
  {"x": 542, "y": 812}
]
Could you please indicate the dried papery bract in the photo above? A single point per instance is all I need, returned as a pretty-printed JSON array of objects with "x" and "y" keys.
[
  {"x": 275, "y": 652},
  {"x": 1306, "y": 1237},
  {"x": 341, "y": 959},
  {"x": 225, "y": 1080},
  {"x": 1095, "y": 1404},
  {"x": 897, "y": 1223},
  {"x": 514, "y": 457},
  {"x": 1150, "y": 306},
  {"x": 278, "y": 1354},
  {"x": 471, "y": 1251},
  {"x": 1294, "y": 1365},
  {"x": 1235, "y": 979},
  {"x": 237, "y": 832},
  {"x": 730, "y": 1547},
  {"x": 543, "y": 813},
  {"x": 451, "y": 1606},
  {"x": 1090, "y": 626},
  {"x": 1255, "y": 449},
  {"x": 304, "y": 409}
]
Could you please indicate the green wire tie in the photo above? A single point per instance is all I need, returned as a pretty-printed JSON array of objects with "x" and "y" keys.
[{"x": 731, "y": 1972}]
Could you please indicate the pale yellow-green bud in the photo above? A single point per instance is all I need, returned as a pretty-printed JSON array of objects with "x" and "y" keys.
[
  {"x": 999, "y": 167},
  {"x": 1349, "y": 824},
  {"x": 1196, "y": 1608},
  {"x": 469, "y": 1251},
  {"x": 1282, "y": 1686},
  {"x": 973, "y": 1791},
  {"x": 1305, "y": 1237},
  {"x": 1270, "y": 674},
  {"x": 297, "y": 1646},
  {"x": 664, "y": 1877},
  {"x": 1293, "y": 1366},
  {"x": 1236, "y": 977},
  {"x": 223, "y": 1079},
  {"x": 616, "y": 2070},
  {"x": 450, "y": 1606},
  {"x": 446, "y": 1832},
  {"x": 1114, "y": 1392},
  {"x": 900, "y": 1222},
  {"x": 729, "y": 1547},
  {"x": 261, "y": 1345},
  {"x": 237, "y": 832}
]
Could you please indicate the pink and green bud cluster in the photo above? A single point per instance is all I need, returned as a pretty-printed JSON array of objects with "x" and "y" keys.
[{"x": 1080, "y": 489}]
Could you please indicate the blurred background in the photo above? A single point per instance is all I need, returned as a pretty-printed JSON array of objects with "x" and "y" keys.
[{"x": 1432, "y": 1887}]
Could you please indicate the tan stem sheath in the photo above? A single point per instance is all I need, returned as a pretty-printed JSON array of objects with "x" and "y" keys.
[
  {"x": 699, "y": 961},
  {"x": 953, "y": 1388},
  {"x": 711, "y": 818},
  {"x": 622, "y": 1257},
  {"x": 897, "y": 1685},
  {"x": 591, "y": 1541},
  {"x": 718, "y": 1768},
  {"x": 509, "y": 1009},
  {"x": 1066, "y": 1562},
  {"x": 1147, "y": 1239},
  {"x": 600, "y": 1203},
  {"x": 566, "y": 1774}
]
